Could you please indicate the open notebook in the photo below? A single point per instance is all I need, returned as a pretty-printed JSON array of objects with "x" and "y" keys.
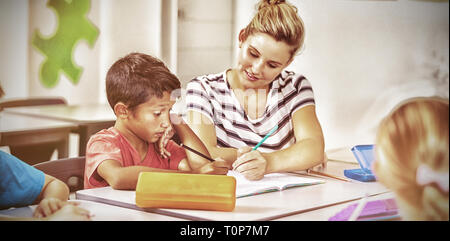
[{"x": 270, "y": 183}]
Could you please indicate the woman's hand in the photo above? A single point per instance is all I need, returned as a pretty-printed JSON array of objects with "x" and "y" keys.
[{"x": 251, "y": 164}]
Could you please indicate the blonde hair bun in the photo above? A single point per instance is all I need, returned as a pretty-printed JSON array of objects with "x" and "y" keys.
[
  {"x": 268, "y": 3},
  {"x": 279, "y": 19}
]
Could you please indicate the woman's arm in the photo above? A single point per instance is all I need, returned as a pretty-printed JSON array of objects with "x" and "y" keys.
[
  {"x": 205, "y": 130},
  {"x": 308, "y": 150},
  {"x": 198, "y": 164}
]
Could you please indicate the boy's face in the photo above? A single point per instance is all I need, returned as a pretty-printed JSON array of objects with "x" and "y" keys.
[{"x": 150, "y": 119}]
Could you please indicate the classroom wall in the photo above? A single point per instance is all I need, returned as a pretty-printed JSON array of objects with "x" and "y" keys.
[
  {"x": 204, "y": 37},
  {"x": 124, "y": 27},
  {"x": 364, "y": 57},
  {"x": 13, "y": 47},
  {"x": 127, "y": 27},
  {"x": 45, "y": 20}
]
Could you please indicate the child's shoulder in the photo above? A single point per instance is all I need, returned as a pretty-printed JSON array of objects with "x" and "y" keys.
[{"x": 105, "y": 135}]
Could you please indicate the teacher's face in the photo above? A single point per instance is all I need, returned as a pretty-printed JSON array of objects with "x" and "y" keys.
[{"x": 261, "y": 59}]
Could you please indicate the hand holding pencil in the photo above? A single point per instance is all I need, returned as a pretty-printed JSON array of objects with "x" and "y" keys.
[{"x": 250, "y": 162}]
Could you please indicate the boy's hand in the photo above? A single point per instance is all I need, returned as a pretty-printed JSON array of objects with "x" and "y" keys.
[
  {"x": 162, "y": 143},
  {"x": 218, "y": 167},
  {"x": 47, "y": 207},
  {"x": 55, "y": 209},
  {"x": 70, "y": 212}
]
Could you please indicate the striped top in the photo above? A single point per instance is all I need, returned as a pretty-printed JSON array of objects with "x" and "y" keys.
[{"x": 212, "y": 96}]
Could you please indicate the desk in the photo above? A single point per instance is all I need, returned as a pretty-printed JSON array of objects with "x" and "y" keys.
[
  {"x": 343, "y": 154},
  {"x": 19, "y": 130},
  {"x": 100, "y": 212},
  {"x": 89, "y": 118},
  {"x": 268, "y": 206},
  {"x": 324, "y": 214}
]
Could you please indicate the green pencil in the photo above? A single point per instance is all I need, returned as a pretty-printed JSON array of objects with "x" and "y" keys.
[{"x": 267, "y": 136}]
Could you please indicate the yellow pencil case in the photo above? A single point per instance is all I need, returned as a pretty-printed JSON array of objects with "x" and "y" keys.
[{"x": 186, "y": 191}]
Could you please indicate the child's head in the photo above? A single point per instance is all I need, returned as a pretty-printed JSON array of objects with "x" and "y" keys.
[
  {"x": 138, "y": 88},
  {"x": 412, "y": 150},
  {"x": 137, "y": 77},
  {"x": 280, "y": 20}
]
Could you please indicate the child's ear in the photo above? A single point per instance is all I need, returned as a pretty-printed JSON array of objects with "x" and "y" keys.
[{"x": 121, "y": 110}]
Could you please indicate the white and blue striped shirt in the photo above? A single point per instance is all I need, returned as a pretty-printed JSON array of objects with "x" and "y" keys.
[{"x": 212, "y": 96}]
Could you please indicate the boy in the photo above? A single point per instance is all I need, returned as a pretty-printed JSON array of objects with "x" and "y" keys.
[
  {"x": 138, "y": 89},
  {"x": 23, "y": 185}
]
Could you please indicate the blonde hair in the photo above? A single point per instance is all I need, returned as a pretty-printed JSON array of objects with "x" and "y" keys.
[
  {"x": 280, "y": 20},
  {"x": 413, "y": 134}
]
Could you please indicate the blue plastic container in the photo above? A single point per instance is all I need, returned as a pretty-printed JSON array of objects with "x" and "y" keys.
[{"x": 365, "y": 155}]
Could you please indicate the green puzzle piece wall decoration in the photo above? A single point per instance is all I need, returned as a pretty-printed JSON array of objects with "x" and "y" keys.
[{"x": 72, "y": 26}]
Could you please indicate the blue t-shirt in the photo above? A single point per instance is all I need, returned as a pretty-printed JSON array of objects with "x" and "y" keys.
[{"x": 20, "y": 183}]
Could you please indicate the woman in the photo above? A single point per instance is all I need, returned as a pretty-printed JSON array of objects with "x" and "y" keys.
[{"x": 232, "y": 111}]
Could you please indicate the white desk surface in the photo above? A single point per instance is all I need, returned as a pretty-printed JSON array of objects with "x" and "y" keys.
[
  {"x": 74, "y": 113},
  {"x": 268, "y": 206},
  {"x": 100, "y": 212}
]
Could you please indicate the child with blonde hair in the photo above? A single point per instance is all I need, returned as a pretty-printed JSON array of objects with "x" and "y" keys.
[{"x": 413, "y": 158}]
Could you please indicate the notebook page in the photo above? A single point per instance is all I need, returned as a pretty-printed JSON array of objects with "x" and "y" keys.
[{"x": 270, "y": 182}]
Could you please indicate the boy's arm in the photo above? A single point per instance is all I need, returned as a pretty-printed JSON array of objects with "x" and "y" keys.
[
  {"x": 53, "y": 188},
  {"x": 52, "y": 198},
  {"x": 124, "y": 178}
]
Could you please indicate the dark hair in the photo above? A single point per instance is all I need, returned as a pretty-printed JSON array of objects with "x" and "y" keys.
[
  {"x": 2, "y": 93},
  {"x": 137, "y": 77}
]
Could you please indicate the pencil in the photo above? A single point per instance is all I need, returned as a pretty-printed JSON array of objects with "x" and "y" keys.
[
  {"x": 358, "y": 210},
  {"x": 197, "y": 152},
  {"x": 265, "y": 138},
  {"x": 326, "y": 175}
]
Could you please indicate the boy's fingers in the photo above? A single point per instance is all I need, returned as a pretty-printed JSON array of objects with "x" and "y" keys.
[
  {"x": 167, "y": 153},
  {"x": 54, "y": 206},
  {"x": 46, "y": 211},
  {"x": 38, "y": 212},
  {"x": 219, "y": 162},
  {"x": 221, "y": 171}
]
